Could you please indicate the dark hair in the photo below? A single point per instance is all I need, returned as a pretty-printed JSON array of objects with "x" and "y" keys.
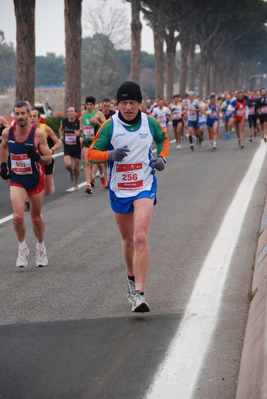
[
  {"x": 176, "y": 95},
  {"x": 71, "y": 106},
  {"x": 36, "y": 109},
  {"x": 263, "y": 88},
  {"x": 90, "y": 99},
  {"x": 211, "y": 97},
  {"x": 20, "y": 104},
  {"x": 106, "y": 100}
]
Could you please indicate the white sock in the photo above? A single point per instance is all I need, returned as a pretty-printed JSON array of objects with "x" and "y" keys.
[
  {"x": 39, "y": 246},
  {"x": 22, "y": 245},
  {"x": 101, "y": 176}
]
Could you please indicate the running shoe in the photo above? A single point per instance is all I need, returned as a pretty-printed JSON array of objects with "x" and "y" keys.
[
  {"x": 71, "y": 176},
  {"x": 242, "y": 145},
  {"x": 88, "y": 189},
  {"x": 104, "y": 182},
  {"x": 214, "y": 145},
  {"x": 139, "y": 303},
  {"x": 92, "y": 182},
  {"x": 230, "y": 135},
  {"x": 41, "y": 258},
  {"x": 82, "y": 166},
  {"x": 211, "y": 144},
  {"x": 75, "y": 187},
  {"x": 239, "y": 142},
  {"x": 22, "y": 257},
  {"x": 131, "y": 291},
  {"x": 265, "y": 139},
  {"x": 251, "y": 139},
  {"x": 178, "y": 146},
  {"x": 192, "y": 146},
  {"x": 52, "y": 187}
]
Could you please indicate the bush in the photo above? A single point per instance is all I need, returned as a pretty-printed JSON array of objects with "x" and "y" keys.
[{"x": 54, "y": 122}]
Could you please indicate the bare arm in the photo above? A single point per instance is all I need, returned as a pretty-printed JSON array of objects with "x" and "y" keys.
[
  {"x": 3, "y": 147},
  {"x": 4, "y": 122},
  {"x": 99, "y": 118},
  {"x": 50, "y": 133},
  {"x": 61, "y": 130},
  {"x": 41, "y": 144}
]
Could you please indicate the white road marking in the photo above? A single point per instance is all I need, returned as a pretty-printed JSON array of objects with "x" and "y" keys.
[
  {"x": 79, "y": 185},
  {"x": 179, "y": 372},
  {"x": 59, "y": 154},
  {"x": 6, "y": 219}
]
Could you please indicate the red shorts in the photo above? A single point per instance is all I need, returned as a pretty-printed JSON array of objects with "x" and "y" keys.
[
  {"x": 37, "y": 190},
  {"x": 239, "y": 118}
]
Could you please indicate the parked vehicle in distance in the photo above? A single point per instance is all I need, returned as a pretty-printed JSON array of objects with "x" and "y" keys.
[{"x": 44, "y": 109}]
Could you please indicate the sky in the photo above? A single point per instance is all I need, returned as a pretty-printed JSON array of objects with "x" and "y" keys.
[{"x": 49, "y": 24}]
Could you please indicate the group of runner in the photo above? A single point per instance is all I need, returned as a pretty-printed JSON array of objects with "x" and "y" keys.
[
  {"x": 119, "y": 141},
  {"x": 192, "y": 114}
]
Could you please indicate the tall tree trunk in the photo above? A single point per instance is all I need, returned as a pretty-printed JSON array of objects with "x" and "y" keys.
[
  {"x": 208, "y": 77},
  {"x": 136, "y": 28},
  {"x": 159, "y": 61},
  {"x": 73, "y": 42},
  {"x": 183, "y": 66},
  {"x": 191, "y": 62},
  {"x": 25, "y": 22},
  {"x": 202, "y": 74},
  {"x": 171, "y": 51}
]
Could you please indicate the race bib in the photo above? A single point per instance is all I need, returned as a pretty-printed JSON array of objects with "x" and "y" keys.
[
  {"x": 177, "y": 115},
  {"x": 70, "y": 139},
  {"x": 251, "y": 110},
  {"x": 130, "y": 176},
  {"x": 213, "y": 115},
  {"x": 161, "y": 119},
  {"x": 240, "y": 112},
  {"x": 21, "y": 164},
  {"x": 89, "y": 132},
  {"x": 264, "y": 110}
]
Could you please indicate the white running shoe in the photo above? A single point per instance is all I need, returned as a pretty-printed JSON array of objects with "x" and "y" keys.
[
  {"x": 178, "y": 146},
  {"x": 22, "y": 257},
  {"x": 140, "y": 305},
  {"x": 52, "y": 187},
  {"x": 131, "y": 291},
  {"x": 75, "y": 187},
  {"x": 192, "y": 146},
  {"x": 41, "y": 258},
  {"x": 211, "y": 143},
  {"x": 214, "y": 145},
  {"x": 242, "y": 145}
]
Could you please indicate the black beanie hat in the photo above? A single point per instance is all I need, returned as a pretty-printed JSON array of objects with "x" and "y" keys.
[
  {"x": 90, "y": 99},
  {"x": 129, "y": 91}
]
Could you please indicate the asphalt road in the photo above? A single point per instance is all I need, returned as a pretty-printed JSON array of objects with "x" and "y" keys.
[{"x": 67, "y": 330}]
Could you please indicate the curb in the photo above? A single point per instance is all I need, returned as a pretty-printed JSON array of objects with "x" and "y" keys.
[{"x": 252, "y": 381}]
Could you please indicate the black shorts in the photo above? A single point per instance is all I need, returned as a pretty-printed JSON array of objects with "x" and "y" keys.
[
  {"x": 263, "y": 118},
  {"x": 176, "y": 121},
  {"x": 252, "y": 120},
  {"x": 87, "y": 144},
  {"x": 72, "y": 151},
  {"x": 49, "y": 169}
]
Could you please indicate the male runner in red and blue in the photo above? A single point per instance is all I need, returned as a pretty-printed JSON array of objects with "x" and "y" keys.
[{"x": 24, "y": 153}]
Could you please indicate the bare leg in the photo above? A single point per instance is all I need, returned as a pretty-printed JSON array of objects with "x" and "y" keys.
[
  {"x": 18, "y": 196},
  {"x": 36, "y": 201}
]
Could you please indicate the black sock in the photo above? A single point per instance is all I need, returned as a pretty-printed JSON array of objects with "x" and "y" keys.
[
  {"x": 131, "y": 278},
  {"x": 191, "y": 139}
]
